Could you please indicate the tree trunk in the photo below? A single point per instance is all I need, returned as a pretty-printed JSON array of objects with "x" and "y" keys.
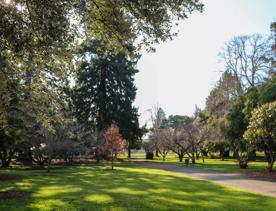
[
  {"x": 222, "y": 154},
  {"x": 180, "y": 156},
  {"x": 112, "y": 165},
  {"x": 163, "y": 157},
  {"x": 49, "y": 164},
  {"x": 193, "y": 157},
  {"x": 5, "y": 158},
  {"x": 270, "y": 166},
  {"x": 202, "y": 157},
  {"x": 129, "y": 152},
  {"x": 270, "y": 160},
  {"x": 197, "y": 155},
  {"x": 156, "y": 153},
  {"x": 9, "y": 158},
  {"x": 5, "y": 161},
  {"x": 97, "y": 156}
]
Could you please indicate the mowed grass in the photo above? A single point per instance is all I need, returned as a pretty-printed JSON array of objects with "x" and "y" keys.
[
  {"x": 216, "y": 164},
  {"x": 127, "y": 188}
]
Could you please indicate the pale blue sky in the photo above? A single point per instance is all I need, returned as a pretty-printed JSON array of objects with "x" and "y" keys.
[{"x": 182, "y": 72}]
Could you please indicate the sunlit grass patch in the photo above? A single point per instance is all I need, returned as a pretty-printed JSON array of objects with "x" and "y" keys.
[
  {"x": 128, "y": 188},
  {"x": 99, "y": 198}
]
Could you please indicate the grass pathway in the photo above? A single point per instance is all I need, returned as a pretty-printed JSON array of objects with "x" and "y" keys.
[{"x": 238, "y": 180}]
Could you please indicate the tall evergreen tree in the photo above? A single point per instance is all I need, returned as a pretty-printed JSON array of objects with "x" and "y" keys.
[{"x": 105, "y": 91}]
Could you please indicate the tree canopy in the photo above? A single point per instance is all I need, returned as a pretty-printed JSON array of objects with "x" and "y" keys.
[
  {"x": 262, "y": 130},
  {"x": 41, "y": 24}
]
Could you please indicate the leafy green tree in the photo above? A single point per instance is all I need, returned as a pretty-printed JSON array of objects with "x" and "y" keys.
[
  {"x": 235, "y": 117},
  {"x": 131, "y": 130},
  {"x": 268, "y": 91},
  {"x": 236, "y": 126},
  {"x": 52, "y": 23},
  {"x": 177, "y": 121},
  {"x": 35, "y": 82},
  {"x": 11, "y": 124},
  {"x": 251, "y": 100},
  {"x": 218, "y": 104},
  {"x": 259, "y": 95},
  {"x": 262, "y": 131},
  {"x": 240, "y": 114}
]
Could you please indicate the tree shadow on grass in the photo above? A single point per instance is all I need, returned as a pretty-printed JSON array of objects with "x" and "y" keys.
[{"x": 127, "y": 188}]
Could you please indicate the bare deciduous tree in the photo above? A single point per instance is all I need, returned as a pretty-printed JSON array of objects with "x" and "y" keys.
[
  {"x": 163, "y": 138},
  {"x": 246, "y": 58},
  {"x": 188, "y": 139},
  {"x": 180, "y": 144},
  {"x": 158, "y": 119}
]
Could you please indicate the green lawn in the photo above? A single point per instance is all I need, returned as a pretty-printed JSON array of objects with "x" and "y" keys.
[
  {"x": 127, "y": 188},
  {"x": 228, "y": 165}
]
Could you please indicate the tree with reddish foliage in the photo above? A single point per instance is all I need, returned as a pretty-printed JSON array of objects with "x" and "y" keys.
[{"x": 114, "y": 143}]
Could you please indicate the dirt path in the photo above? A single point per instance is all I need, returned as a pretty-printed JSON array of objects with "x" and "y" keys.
[{"x": 237, "y": 180}]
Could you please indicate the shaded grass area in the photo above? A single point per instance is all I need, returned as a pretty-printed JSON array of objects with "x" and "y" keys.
[
  {"x": 127, "y": 188},
  {"x": 5, "y": 177},
  {"x": 216, "y": 164}
]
